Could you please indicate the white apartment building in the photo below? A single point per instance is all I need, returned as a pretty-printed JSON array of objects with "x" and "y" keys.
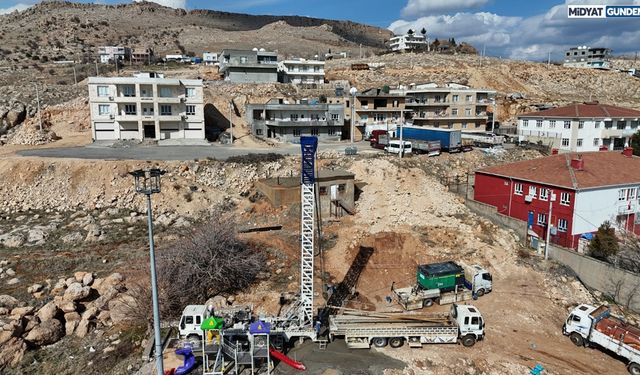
[
  {"x": 408, "y": 42},
  {"x": 146, "y": 106},
  {"x": 587, "y": 57},
  {"x": 580, "y": 127},
  {"x": 301, "y": 71},
  {"x": 108, "y": 54}
]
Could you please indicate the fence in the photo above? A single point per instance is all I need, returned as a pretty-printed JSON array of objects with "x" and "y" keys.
[{"x": 623, "y": 286}]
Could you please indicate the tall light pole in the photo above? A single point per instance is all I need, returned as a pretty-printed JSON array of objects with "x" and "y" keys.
[
  {"x": 147, "y": 182},
  {"x": 353, "y": 91},
  {"x": 230, "y": 122},
  {"x": 401, "y": 142},
  {"x": 493, "y": 117},
  {"x": 552, "y": 198}
]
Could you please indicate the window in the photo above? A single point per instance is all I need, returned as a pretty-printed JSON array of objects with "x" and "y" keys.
[
  {"x": 467, "y": 112},
  {"x": 596, "y": 141},
  {"x": 597, "y": 126},
  {"x": 565, "y": 199},
  {"x": 296, "y": 132},
  {"x": 128, "y": 91},
  {"x": 542, "y": 219},
  {"x": 475, "y": 320},
  {"x": 331, "y": 131},
  {"x": 468, "y": 98},
  {"x": 364, "y": 104},
  {"x": 525, "y": 123},
  {"x": 379, "y": 117},
  {"x": 190, "y": 92},
  {"x": 565, "y": 142},
  {"x": 562, "y": 225},
  {"x": 454, "y": 112},
  {"x": 293, "y": 117},
  {"x": 166, "y": 92},
  {"x": 342, "y": 187},
  {"x": 455, "y": 98},
  {"x": 323, "y": 190},
  {"x": 314, "y": 131},
  {"x": 580, "y": 124},
  {"x": 518, "y": 189},
  {"x": 579, "y": 142},
  {"x": 103, "y": 109},
  {"x": 335, "y": 116},
  {"x": 198, "y": 319},
  {"x": 188, "y": 319},
  {"x": 567, "y": 124},
  {"x": 190, "y": 110},
  {"x": 258, "y": 131},
  {"x": 544, "y": 194},
  {"x": 165, "y": 110},
  {"x": 532, "y": 191},
  {"x": 621, "y": 125},
  {"x": 552, "y": 124},
  {"x": 130, "y": 109},
  {"x": 103, "y": 90},
  {"x": 608, "y": 124},
  {"x": 464, "y": 125},
  {"x": 627, "y": 194},
  {"x": 538, "y": 123},
  {"x": 634, "y": 124}
]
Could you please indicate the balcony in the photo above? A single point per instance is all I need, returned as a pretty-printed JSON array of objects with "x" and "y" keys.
[
  {"x": 127, "y": 117},
  {"x": 171, "y": 99},
  {"x": 171, "y": 117},
  {"x": 125, "y": 99},
  {"x": 300, "y": 123}
]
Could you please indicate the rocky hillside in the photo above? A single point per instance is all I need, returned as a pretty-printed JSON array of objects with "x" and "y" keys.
[{"x": 72, "y": 31}]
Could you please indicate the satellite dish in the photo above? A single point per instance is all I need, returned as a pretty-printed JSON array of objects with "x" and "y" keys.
[{"x": 353, "y": 91}]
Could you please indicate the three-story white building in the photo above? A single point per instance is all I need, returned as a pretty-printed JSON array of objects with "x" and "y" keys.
[
  {"x": 580, "y": 127},
  {"x": 301, "y": 71},
  {"x": 146, "y": 106}
]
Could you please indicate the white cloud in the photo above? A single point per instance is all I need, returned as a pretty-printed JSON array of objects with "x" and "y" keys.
[
  {"x": 418, "y": 8},
  {"x": 530, "y": 37},
  {"x": 19, "y": 7},
  {"x": 177, "y": 4}
]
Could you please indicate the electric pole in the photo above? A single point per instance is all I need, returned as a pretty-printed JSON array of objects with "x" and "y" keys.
[{"x": 38, "y": 101}]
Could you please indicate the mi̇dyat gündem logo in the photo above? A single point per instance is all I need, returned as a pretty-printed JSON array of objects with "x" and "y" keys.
[{"x": 603, "y": 11}]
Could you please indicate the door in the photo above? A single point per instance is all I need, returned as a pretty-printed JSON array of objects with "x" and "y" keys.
[
  {"x": 105, "y": 131},
  {"x": 149, "y": 132}
]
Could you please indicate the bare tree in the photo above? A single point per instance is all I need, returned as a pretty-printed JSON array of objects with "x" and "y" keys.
[{"x": 209, "y": 261}]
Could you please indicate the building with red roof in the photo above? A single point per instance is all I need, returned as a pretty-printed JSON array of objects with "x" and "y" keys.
[
  {"x": 580, "y": 127},
  {"x": 589, "y": 188}
]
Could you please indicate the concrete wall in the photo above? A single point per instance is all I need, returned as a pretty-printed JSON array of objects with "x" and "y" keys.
[
  {"x": 490, "y": 212},
  {"x": 621, "y": 285},
  {"x": 250, "y": 75}
]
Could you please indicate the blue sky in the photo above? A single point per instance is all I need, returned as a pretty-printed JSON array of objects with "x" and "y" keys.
[{"x": 523, "y": 29}]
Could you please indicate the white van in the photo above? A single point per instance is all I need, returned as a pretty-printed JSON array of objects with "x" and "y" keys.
[{"x": 394, "y": 147}]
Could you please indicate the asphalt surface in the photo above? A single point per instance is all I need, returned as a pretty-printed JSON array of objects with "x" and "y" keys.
[{"x": 218, "y": 152}]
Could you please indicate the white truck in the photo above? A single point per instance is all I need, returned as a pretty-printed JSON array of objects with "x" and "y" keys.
[
  {"x": 482, "y": 139},
  {"x": 463, "y": 324},
  {"x": 476, "y": 281},
  {"x": 591, "y": 326},
  {"x": 193, "y": 316},
  {"x": 393, "y": 147}
]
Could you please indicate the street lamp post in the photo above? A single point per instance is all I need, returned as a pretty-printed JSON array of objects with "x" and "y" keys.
[
  {"x": 552, "y": 198},
  {"x": 353, "y": 91},
  {"x": 493, "y": 117},
  {"x": 147, "y": 182}
]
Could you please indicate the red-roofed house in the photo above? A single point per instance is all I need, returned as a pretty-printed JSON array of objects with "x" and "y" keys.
[
  {"x": 590, "y": 188},
  {"x": 580, "y": 127}
]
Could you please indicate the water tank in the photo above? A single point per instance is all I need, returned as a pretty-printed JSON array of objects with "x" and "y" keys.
[
  {"x": 262, "y": 49},
  {"x": 255, "y": 49}
]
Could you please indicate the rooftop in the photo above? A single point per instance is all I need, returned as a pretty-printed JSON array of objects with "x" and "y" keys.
[
  {"x": 600, "y": 169},
  {"x": 586, "y": 110}
]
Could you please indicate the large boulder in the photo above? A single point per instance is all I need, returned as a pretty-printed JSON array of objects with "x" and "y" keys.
[
  {"x": 48, "y": 312},
  {"x": 8, "y": 301},
  {"x": 120, "y": 308},
  {"x": 45, "y": 333},
  {"x": 11, "y": 352},
  {"x": 76, "y": 292},
  {"x": 21, "y": 312},
  {"x": 115, "y": 280},
  {"x": 16, "y": 115}
]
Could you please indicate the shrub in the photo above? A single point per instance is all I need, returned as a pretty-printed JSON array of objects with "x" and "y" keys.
[{"x": 605, "y": 243}]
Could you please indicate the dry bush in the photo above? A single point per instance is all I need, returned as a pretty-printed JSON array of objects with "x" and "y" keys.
[{"x": 209, "y": 261}]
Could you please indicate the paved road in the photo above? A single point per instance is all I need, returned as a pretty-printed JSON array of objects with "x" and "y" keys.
[{"x": 174, "y": 152}]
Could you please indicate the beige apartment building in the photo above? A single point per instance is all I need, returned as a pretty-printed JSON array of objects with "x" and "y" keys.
[
  {"x": 451, "y": 106},
  {"x": 376, "y": 109},
  {"x": 146, "y": 106}
]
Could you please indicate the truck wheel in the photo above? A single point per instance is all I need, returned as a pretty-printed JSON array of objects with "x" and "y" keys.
[
  {"x": 480, "y": 292},
  {"x": 576, "y": 339},
  {"x": 427, "y": 303},
  {"x": 379, "y": 342},
  {"x": 468, "y": 340},
  {"x": 396, "y": 342},
  {"x": 634, "y": 369}
]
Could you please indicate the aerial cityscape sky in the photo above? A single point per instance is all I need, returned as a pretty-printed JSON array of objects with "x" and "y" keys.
[{"x": 505, "y": 28}]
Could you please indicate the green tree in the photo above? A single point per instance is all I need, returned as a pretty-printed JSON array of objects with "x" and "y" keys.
[
  {"x": 423, "y": 31},
  {"x": 605, "y": 243},
  {"x": 410, "y": 32},
  {"x": 635, "y": 143}
]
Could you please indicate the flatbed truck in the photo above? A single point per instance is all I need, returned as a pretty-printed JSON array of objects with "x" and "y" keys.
[
  {"x": 462, "y": 324},
  {"x": 444, "y": 283},
  {"x": 588, "y": 325}
]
